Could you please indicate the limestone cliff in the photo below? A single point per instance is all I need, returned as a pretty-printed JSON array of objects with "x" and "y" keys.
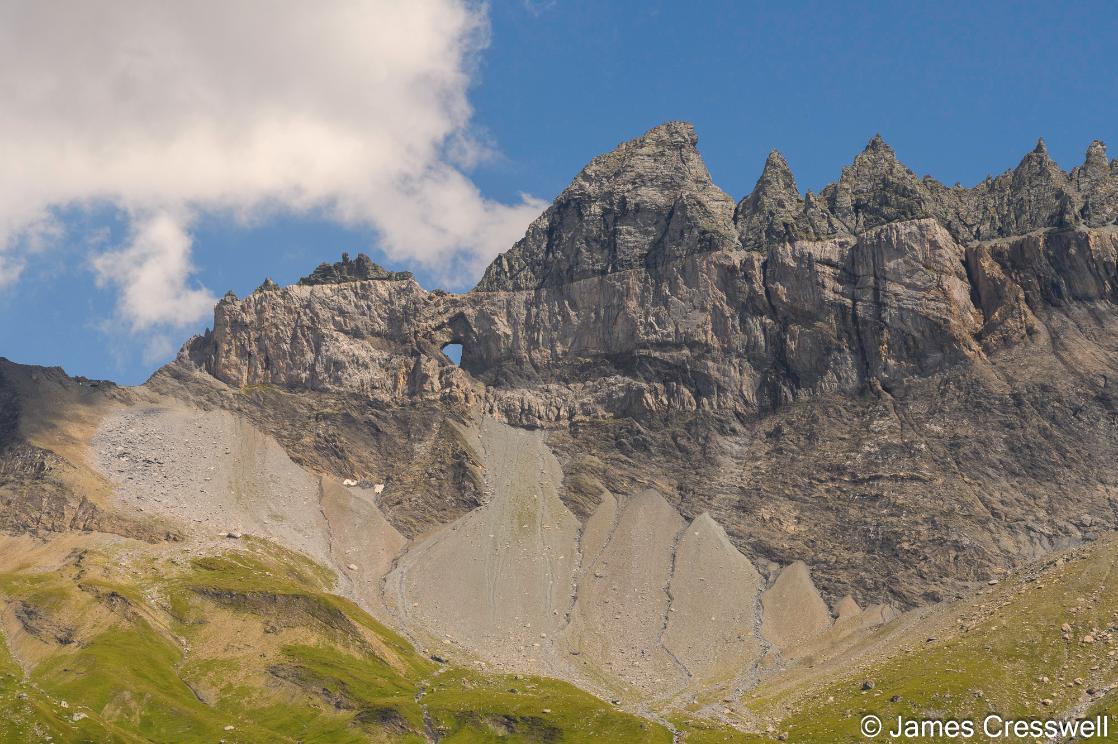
[{"x": 730, "y": 355}]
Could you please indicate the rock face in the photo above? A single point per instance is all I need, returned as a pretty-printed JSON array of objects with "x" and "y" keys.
[{"x": 728, "y": 356}]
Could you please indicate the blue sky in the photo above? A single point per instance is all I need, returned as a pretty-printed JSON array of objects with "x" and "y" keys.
[{"x": 960, "y": 90}]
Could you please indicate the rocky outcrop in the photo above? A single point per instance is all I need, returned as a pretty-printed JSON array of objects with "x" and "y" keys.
[
  {"x": 876, "y": 189},
  {"x": 40, "y": 490},
  {"x": 776, "y": 213},
  {"x": 351, "y": 271},
  {"x": 733, "y": 330}
]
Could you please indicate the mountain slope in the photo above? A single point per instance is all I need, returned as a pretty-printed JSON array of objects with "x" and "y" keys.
[
  {"x": 704, "y": 462},
  {"x": 126, "y": 643}
]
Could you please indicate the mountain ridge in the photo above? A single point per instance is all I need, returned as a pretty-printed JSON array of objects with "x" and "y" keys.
[{"x": 647, "y": 328}]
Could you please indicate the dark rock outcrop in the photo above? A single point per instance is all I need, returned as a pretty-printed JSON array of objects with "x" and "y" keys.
[
  {"x": 41, "y": 491},
  {"x": 361, "y": 269}
]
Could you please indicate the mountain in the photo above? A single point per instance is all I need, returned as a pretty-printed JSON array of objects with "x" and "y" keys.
[{"x": 698, "y": 459}]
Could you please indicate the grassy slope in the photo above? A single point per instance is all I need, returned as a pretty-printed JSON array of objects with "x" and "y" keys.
[
  {"x": 1003, "y": 650},
  {"x": 125, "y": 644},
  {"x": 157, "y": 648}
]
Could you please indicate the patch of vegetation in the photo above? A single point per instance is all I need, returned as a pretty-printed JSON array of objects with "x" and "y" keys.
[
  {"x": 698, "y": 731},
  {"x": 260, "y": 387},
  {"x": 28, "y": 714},
  {"x": 467, "y": 707}
]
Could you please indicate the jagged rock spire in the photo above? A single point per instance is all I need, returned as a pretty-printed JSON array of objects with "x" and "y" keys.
[
  {"x": 775, "y": 212},
  {"x": 1097, "y": 183},
  {"x": 877, "y": 143},
  {"x": 1038, "y": 162},
  {"x": 1038, "y": 194},
  {"x": 1096, "y": 164},
  {"x": 777, "y": 173},
  {"x": 649, "y": 200}
]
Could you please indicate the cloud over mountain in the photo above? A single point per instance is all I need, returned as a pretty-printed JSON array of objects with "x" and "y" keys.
[{"x": 162, "y": 110}]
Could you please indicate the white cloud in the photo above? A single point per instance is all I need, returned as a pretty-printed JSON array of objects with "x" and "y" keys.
[
  {"x": 151, "y": 272},
  {"x": 166, "y": 109}
]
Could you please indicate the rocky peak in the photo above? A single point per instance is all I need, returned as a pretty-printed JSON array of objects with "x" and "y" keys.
[
  {"x": 1096, "y": 164},
  {"x": 1039, "y": 164},
  {"x": 651, "y": 201},
  {"x": 777, "y": 176},
  {"x": 1037, "y": 194},
  {"x": 774, "y": 211},
  {"x": 1097, "y": 183},
  {"x": 876, "y": 189},
  {"x": 362, "y": 269},
  {"x": 648, "y": 201},
  {"x": 878, "y": 144}
]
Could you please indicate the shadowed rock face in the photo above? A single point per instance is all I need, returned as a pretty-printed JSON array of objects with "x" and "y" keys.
[{"x": 732, "y": 356}]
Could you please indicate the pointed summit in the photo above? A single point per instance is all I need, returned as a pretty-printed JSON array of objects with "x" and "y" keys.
[
  {"x": 1097, "y": 185},
  {"x": 876, "y": 188},
  {"x": 777, "y": 173},
  {"x": 1037, "y": 194},
  {"x": 1096, "y": 156},
  {"x": 878, "y": 144},
  {"x": 774, "y": 211},
  {"x": 876, "y": 155},
  {"x": 661, "y": 158},
  {"x": 1037, "y": 161},
  {"x": 776, "y": 160},
  {"x": 647, "y": 201}
]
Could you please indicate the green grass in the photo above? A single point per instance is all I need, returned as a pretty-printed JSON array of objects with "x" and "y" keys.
[
  {"x": 698, "y": 731},
  {"x": 1011, "y": 641},
  {"x": 153, "y": 661},
  {"x": 128, "y": 675},
  {"x": 467, "y": 707},
  {"x": 44, "y": 591}
]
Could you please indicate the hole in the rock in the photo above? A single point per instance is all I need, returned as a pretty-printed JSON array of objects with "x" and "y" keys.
[{"x": 454, "y": 351}]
